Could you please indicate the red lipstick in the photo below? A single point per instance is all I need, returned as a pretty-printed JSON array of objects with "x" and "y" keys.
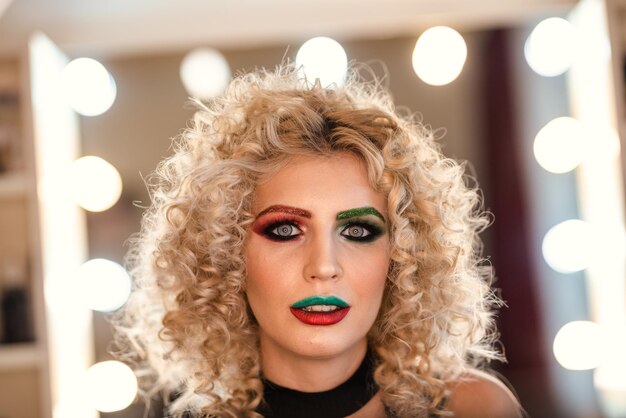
[{"x": 320, "y": 318}]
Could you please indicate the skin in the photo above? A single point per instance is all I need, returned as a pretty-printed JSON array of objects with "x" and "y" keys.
[
  {"x": 480, "y": 395},
  {"x": 475, "y": 395},
  {"x": 322, "y": 259}
]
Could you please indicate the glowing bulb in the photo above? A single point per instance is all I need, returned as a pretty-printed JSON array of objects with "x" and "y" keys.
[
  {"x": 111, "y": 386},
  {"x": 551, "y": 46},
  {"x": 96, "y": 184},
  {"x": 439, "y": 55},
  {"x": 89, "y": 87},
  {"x": 579, "y": 345},
  {"x": 568, "y": 246},
  {"x": 323, "y": 58},
  {"x": 103, "y": 285},
  {"x": 205, "y": 73},
  {"x": 560, "y": 145}
]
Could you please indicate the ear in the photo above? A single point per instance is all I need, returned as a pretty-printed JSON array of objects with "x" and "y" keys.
[{"x": 477, "y": 394}]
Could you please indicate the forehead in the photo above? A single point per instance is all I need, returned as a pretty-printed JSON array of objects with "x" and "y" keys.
[{"x": 335, "y": 182}]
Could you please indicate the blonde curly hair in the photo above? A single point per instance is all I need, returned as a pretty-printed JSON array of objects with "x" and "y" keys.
[{"x": 187, "y": 328}]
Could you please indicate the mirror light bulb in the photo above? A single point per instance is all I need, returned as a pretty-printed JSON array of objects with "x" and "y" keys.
[
  {"x": 96, "y": 184},
  {"x": 579, "y": 345},
  {"x": 569, "y": 246},
  {"x": 324, "y": 59},
  {"x": 103, "y": 284},
  {"x": 560, "y": 145},
  {"x": 205, "y": 73},
  {"x": 90, "y": 89},
  {"x": 551, "y": 46},
  {"x": 111, "y": 386},
  {"x": 439, "y": 55}
]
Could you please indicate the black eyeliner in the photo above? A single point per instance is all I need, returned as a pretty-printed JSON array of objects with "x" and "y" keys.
[
  {"x": 375, "y": 230},
  {"x": 267, "y": 231}
]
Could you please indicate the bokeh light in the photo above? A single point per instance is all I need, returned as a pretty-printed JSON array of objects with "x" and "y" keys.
[
  {"x": 569, "y": 246},
  {"x": 205, "y": 73},
  {"x": 110, "y": 386},
  {"x": 579, "y": 345},
  {"x": 439, "y": 55},
  {"x": 550, "y": 47},
  {"x": 560, "y": 145},
  {"x": 103, "y": 285},
  {"x": 95, "y": 184},
  {"x": 90, "y": 89},
  {"x": 324, "y": 59}
]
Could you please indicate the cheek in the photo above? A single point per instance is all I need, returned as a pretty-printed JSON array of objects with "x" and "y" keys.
[
  {"x": 265, "y": 271},
  {"x": 370, "y": 274},
  {"x": 255, "y": 276}
]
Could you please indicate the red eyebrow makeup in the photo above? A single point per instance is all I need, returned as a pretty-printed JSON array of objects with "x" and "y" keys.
[{"x": 290, "y": 210}]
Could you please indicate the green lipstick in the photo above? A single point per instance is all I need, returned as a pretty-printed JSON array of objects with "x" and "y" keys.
[{"x": 320, "y": 300}]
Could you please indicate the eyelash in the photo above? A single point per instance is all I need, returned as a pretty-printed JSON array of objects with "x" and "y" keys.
[
  {"x": 268, "y": 230},
  {"x": 373, "y": 230}
]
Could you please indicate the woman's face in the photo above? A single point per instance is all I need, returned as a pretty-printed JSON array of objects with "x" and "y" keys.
[{"x": 317, "y": 257}]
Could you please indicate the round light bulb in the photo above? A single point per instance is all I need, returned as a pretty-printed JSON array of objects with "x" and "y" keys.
[
  {"x": 439, "y": 55},
  {"x": 103, "y": 284},
  {"x": 579, "y": 345},
  {"x": 90, "y": 89},
  {"x": 568, "y": 246},
  {"x": 205, "y": 73},
  {"x": 560, "y": 145},
  {"x": 111, "y": 386},
  {"x": 551, "y": 46},
  {"x": 96, "y": 184},
  {"x": 324, "y": 59}
]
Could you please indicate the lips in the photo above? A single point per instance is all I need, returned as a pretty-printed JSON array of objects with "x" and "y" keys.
[{"x": 320, "y": 310}]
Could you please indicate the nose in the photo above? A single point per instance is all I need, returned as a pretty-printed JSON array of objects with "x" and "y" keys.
[{"x": 322, "y": 261}]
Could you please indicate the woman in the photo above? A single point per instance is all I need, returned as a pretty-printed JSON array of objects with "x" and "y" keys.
[{"x": 310, "y": 253}]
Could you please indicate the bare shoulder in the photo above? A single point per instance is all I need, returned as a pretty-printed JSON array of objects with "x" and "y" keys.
[{"x": 477, "y": 394}]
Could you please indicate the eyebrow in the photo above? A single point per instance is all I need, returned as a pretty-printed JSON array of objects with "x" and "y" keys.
[
  {"x": 285, "y": 209},
  {"x": 351, "y": 213},
  {"x": 346, "y": 214}
]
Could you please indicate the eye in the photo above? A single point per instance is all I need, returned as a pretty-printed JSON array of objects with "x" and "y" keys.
[
  {"x": 282, "y": 231},
  {"x": 355, "y": 231},
  {"x": 362, "y": 231},
  {"x": 285, "y": 230}
]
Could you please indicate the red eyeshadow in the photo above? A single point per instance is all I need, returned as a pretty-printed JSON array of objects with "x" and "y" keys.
[{"x": 262, "y": 223}]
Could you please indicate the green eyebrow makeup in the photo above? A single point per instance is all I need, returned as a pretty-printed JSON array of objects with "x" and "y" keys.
[{"x": 352, "y": 213}]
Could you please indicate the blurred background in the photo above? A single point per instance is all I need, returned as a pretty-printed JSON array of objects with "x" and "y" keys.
[{"x": 530, "y": 93}]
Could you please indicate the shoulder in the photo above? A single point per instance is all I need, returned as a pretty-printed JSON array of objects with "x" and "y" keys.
[{"x": 477, "y": 394}]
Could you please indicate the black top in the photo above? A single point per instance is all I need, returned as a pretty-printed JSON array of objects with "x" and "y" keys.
[{"x": 345, "y": 399}]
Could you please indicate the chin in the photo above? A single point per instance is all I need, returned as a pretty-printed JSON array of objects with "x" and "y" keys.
[{"x": 326, "y": 347}]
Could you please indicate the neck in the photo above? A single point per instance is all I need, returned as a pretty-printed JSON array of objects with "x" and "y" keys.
[{"x": 306, "y": 373}]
